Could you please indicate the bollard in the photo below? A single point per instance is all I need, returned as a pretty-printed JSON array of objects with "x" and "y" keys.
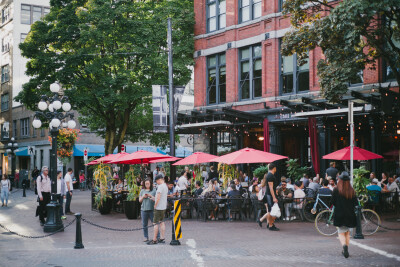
[
  {"x": 176, "y": 224},
  {"x": 358, "y": 234},
  {"x": 78, "y": 239},
  {"x": 23, "y": 190}
]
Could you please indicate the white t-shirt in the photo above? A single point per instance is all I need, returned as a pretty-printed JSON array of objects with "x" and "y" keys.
[
  {"x": 298, "y": 193},
  {"x": 393, "y": 187},
  {"x": 162, "y": 203},
  {"x": 182, "y": 183},
  {"x": 68, "y": 178}
]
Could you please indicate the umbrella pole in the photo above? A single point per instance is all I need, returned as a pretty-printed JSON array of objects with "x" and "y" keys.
[{"x": 351, "y": 122}]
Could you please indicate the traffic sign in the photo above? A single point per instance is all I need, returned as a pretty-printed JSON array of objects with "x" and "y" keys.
[{"x": 85, "y": 154}]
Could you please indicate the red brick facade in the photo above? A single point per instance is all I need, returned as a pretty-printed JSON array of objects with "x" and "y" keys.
[{"x": 271, "y": 22}]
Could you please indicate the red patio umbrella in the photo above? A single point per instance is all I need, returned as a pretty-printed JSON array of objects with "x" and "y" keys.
[
  {"x": 358, "y": 154},
  {"x": 249, "y": 155},
  {"x": 139, "y": 157},
  {"x": 165, "y": 160},
  {"x": 196, "y": 158},
  {"x": 108, "y": 158}
]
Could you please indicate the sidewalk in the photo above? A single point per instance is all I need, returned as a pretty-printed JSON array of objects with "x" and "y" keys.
[{"x": 216, "y": 243}]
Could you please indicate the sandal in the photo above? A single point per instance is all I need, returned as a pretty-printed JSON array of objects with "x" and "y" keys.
[
  {"x": 146, "y": 240},
  {"x": 161, "y": 241},
  {"x": 152, "y": 242}
]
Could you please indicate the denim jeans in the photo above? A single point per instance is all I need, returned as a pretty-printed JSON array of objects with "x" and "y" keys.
[
  {"x": 4, "y": 196},
  {"x": 146, "y": 215},
  {"x": 68, "y": 203}
]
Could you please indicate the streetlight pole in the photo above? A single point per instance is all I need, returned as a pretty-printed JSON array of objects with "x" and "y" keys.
[
  {"x": 11, "y": 147},
  {"x": 49, "y": 107}
]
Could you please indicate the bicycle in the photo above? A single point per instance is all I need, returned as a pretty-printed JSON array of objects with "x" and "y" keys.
[
  {"x": 312, "y": 207},
  {"x": 370, "y": 222}
]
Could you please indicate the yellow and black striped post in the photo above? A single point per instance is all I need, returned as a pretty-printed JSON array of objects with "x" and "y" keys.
[{"x": 176, "y": 224}]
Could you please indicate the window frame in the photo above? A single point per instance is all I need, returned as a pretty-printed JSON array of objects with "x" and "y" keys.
[
  {"x": 31, "y": 8},
  {"x": 217, "y": 15},
  {"x": 21, "y": 40},
  {"x": 251, "y": 61},
  {"x": 295, "y": 73},
  {"x": 24, "y": 127},
  {"x": 5, "y": 14},
  {"x": 3, "y": 109},
  {"x": 15, "y": 129},
  {"x": 217, "y": 82},
  {"x": 6, "y": 75},
  {"x": 251, "y": 11}
]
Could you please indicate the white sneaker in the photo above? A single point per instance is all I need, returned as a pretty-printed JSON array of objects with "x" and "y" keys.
[{"x": 293, "y": 218}]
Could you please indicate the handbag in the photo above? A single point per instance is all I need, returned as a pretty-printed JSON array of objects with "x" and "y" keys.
[
  {"x": 275, "y": 211},
  {"x": 261, "y": 194}
]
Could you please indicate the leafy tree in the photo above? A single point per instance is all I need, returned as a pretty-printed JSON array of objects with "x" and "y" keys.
[
  {"x": 352, "y": 34},
  {"x": 107, "y": 54}
]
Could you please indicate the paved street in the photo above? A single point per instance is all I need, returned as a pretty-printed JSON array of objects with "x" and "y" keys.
[{"x": 216, "y": 243}]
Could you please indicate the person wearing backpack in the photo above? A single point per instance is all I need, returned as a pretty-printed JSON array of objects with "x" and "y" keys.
[
  {"x": 5, "y": 189},
  {"x": 43, "y": 183}
]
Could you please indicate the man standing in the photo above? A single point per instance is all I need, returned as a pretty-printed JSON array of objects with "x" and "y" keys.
[
  {"x": 271, "y": 197},
  {"x": 160, "y": 206},
  {"x": 44, "y": 193},
  {"x": 183, "y": 181},
  {"x": 332, "y": 171},
  {"x": 70, "y": 188}
]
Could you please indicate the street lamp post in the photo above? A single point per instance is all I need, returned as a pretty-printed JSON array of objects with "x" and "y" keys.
[
  {"x": 55, "y": 111},
  {"x": 11, "y": 147}
]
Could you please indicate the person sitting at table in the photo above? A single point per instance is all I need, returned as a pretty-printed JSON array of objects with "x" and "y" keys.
[
  {"x": 172, "y": 190},
  {"x": 238, "y": 185},
  {"x": 217, "y": 188},
  {"x": 183, "y": 181},
  {"x": 118, "y": 189},
  {"x": 198, "y": 190},
  {"x": 325, "y": 189},
  {"x": 210, "y": 193},
  {"x": 246, "y": 177},
  {"x": 233, "y": 193},
  {"x": 232, "y": 182},
  {"x": 254, "y": 183},
  {"x": 286, "y": 196}
]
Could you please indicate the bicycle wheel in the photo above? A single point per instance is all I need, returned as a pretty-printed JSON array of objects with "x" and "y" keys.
[
  {"x": 324, "y": 223},
  {"x": 309, "y": 214},
  {"x": 370, "y": 221}
]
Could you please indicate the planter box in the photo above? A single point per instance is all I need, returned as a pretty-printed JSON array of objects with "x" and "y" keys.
[
  {"x": 131, "y": 209},
  {"x": 106, "y": 207}
]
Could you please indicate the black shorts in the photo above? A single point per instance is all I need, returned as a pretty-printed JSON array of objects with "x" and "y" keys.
[{"x": 268, "y": 201}]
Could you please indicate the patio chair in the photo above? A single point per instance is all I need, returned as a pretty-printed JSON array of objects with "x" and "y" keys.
[{"x": 235, "y": 207}]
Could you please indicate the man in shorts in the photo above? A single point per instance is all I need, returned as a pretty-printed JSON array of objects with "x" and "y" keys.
[
  {"x": 271, "y": 196},
  {"x": 160, "y": 206}
]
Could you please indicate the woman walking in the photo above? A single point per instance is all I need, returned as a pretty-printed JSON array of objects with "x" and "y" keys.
[
  {"x": 344, "y": 199},
  {"x": 5, "y": 189},
  {"x": 61, "y": 193},
  {"x": 147, "y": 197}
]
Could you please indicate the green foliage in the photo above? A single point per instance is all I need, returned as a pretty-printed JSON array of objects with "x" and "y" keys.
[
  {"x": 102, "y": 175},
  {"x": 227, "y": 173},
  {"x": 353, "y": 35},
  {"x": 134, "y": 189},
  {"x": 107, "y": 54},
  {"x": 260, "y": 172},
  {"x": 294, "y": 171},
  {"x": 360, "y": 183}
]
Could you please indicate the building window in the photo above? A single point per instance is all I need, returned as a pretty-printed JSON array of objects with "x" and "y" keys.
[
  {"x": 4, "y": 102},
  {"x": 5, "y": 130},
  {"x": 249, "y": 10},
  {"x": 250, "y": 72},
  {"x": 31, "y": 14},
  {"x": 388, "y": 74},
  {"x": 24, "y": 127},
  {"x": 23, "y": 37},
  {"x": 359, "y": 79},
  {"x": 5, "y": 44},
  {"x": 15, "y": 130},
  {"x": 216, "y": 15},
  {"x": 41, "y": 132},
  {"x": 294, "y": 78},
  {"x": 5, "y": 74},
  {"x": 216, "y": 79},
  {"x": 5, "y": 14}
]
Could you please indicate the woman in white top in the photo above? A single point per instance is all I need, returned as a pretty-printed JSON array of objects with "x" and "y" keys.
[
  {"x": 61, "y": 193},
  {"x": 5, "y": 189}
]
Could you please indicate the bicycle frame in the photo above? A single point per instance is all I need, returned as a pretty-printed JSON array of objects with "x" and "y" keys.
[{"x": 322, "y": 202}]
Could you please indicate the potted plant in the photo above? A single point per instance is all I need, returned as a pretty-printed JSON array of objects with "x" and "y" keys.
[
  {"x": 260, "y": 172},
  {"x": 294, "y": 171},
  {"x": 102, "y": 200},
  {"x": 131, "y": 204},
  {"x": 360, "y": 184}
]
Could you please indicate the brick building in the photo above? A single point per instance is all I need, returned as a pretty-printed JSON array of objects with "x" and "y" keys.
[{"x": 248, "y": 95}]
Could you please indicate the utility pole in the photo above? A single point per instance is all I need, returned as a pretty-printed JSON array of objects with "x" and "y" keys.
[
  {"x": 171, "y": 100},
  {"x": 351, "y": 123}
]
